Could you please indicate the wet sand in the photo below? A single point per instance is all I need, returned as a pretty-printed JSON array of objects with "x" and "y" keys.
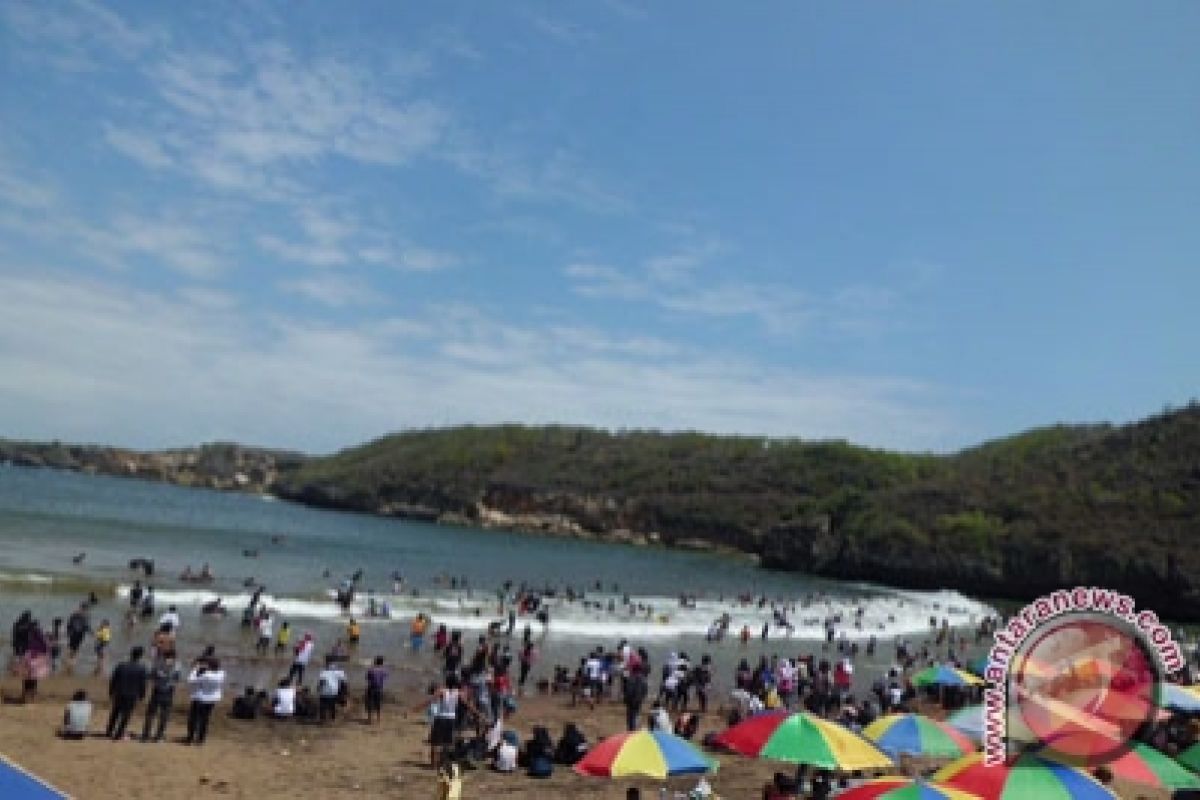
[{"x": 347, "y": 759}]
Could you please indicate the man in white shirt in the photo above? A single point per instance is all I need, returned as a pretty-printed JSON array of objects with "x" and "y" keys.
[
  {"x": 329, "y": 689},
  {"x": 206, "y": 680},
  {"x": 171, "y": 617},
  {"x": 593, "y": 669}
]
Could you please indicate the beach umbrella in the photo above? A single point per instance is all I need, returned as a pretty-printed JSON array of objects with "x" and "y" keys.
[
  {"x": 17, "y": 784},
  {"x": 654, "y": 754},
  {"x": 978, "y": 665},
  {"x": 944, "y": 675},
  {"x": 1181, "y": 698},
  {"x": 905, "y": 789},
  {"x": 1022, "y": 777},
  {"x": 968, "y": 721},
  {"x": 1190, "y": 758},
  {"x": 802, "y": 738},
  {"x": 917, "y": 735},
  {"x": 1142, "y": 765}
]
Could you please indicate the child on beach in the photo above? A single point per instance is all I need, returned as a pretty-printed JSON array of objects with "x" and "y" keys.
[
  {"x": 77, "y": 717},
  {"x": 103, "y": 637},
  {"x": 284, "y": 638},
  {"x": 449, "y": 785}
]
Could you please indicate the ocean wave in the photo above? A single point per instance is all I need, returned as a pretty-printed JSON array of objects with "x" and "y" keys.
[
  {"x": 36, "y": 578},
  {"x": 885, "y": 614}
]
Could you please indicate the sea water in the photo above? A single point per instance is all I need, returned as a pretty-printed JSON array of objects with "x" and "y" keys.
[{"x": 299, "y": 555}]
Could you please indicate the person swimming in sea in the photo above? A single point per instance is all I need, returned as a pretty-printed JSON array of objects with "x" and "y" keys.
[{"x": 213, "y": 608}]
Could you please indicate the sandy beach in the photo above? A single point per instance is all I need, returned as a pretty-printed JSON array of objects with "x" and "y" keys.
[{"x": 347, "y": 759}]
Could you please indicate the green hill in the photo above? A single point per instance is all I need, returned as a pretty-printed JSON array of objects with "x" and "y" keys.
[{"x": 1114, "y": 506}]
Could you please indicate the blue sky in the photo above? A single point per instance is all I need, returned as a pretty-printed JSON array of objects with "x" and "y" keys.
[{"x": 308, "y": 224}]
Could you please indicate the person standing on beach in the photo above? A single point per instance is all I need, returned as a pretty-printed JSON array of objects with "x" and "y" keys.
[
  {"x": 206, "y": 681},
  {"x": 265, "y": 631},
  {"x": 20, "y": 633},
  {"x": 304, "y": 651},
  {"x": 126, "y": 687},
  {"x": 329, "y": 689},
  {"x": 526, "y": 664},
  {"x": 377, "y": 676},
  {"x": 634, "y": 695},
  {"x": 445, "y": 713},
  {"x": 163, "y": 679}
]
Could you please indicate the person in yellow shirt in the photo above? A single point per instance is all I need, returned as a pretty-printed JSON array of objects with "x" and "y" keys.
[
  {"x": 103, "y": 637},
  {"x": 353, "y": 631},
  {"x": 283, "y": 639}
]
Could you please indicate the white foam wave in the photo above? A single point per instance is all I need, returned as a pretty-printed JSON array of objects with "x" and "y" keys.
[
  {"x": 884, "y": 615},
  {"x": 26, "y": 577}
]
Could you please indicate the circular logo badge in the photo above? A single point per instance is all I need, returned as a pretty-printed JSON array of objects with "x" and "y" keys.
[{"x": 1083, "y": 685}]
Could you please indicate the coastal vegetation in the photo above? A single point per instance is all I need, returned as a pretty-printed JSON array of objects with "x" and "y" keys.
[{"x": 1110, "y": 505}]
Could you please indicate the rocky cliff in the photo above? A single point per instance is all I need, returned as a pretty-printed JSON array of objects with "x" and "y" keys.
[
  {"x": 221, "y": 466},
  {"x": 1062, "y": 506}
]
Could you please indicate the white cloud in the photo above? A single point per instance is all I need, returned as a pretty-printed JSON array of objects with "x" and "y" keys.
[
  {"x": 78, "y": 35},
  {"x": 336, "y": 291},
  {"x": 141, "y": 368},
  {"x": 141, "y": 148},
  {"x": 673, "y": 282},
  {"x": 177, "y": 245},
  {"x": 556, "y": 177},
  {"x": 23, "y": 191},
  {"x": 330, "y": 240},
  {"x": 598, "y": 280},
  {"x": 560, "y": 30}
]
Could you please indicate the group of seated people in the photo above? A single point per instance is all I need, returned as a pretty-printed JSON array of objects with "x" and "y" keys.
[
  {"x": 501, "y": 750},
  {"x": 287, "y": 702}
]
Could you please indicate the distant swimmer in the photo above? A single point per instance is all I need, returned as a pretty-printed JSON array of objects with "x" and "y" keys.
[
  {"x": 78, "y": 559},
  {"x": 250, "y": 553},
  {"x": 213, "y": 608}
]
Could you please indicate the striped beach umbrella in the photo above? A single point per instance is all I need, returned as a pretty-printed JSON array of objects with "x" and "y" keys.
[
  {"x": 1190, "y": 758},
  {"x": 1141, "y": 765},
  {"x": 945, "y": 675},
  {"x": 968, "y": 721},
  {"x": 1181, "y": 698},
  {"x": 1022, "y": 778},
  {"x": 653, "y": 754},
  {"x": 803, "y": 738},
  {"x": 905, "y": 789},
  {"x": 917, "y": 735}
]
